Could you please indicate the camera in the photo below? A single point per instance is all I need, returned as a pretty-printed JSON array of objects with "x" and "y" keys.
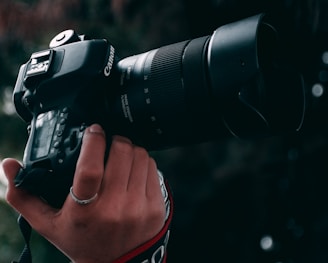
[{"x": 229, "y": 83}]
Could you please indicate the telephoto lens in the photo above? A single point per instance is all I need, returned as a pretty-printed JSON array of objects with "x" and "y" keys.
[{"x": 228, "y": 83}]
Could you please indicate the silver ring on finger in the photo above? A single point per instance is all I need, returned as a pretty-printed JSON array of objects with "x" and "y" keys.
[{"x": 82, "y": 201}]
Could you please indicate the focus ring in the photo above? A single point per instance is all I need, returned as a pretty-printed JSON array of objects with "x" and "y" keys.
[{"x": 166, "y": 79}]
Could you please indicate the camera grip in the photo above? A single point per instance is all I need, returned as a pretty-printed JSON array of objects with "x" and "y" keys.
[
  {"x": 30, "y": 180},
  {"x": 43, "y": 183}
]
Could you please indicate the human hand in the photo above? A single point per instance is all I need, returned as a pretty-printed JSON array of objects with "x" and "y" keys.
[{"x": 128, "y": 211}]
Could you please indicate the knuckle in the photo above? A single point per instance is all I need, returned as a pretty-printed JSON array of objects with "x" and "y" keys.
[
  {"x": 141, "y": 152},
  {"x": 148, "y": 214},
  {"x": 79, "y": 222},
  {"x": 122, "y": 145},
  {"x": 113, "y": 218},
  {"x": 134, "y": 212},
  {"x": 152, "y": 163},
  {"x": 86, "y": 174},
  {"x": 79, "y": 218},
  {"x": 157, "y": 213}
]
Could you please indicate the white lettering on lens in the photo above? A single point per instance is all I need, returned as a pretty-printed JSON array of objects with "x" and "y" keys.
[
  {"x": 110, "y": 62},
  {"x": 126, "y": 107}
]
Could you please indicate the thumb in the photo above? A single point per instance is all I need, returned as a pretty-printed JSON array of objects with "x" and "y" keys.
[
  {"x": 10, "y": 167},
  {"x": 32, "y": 208},
  {"x": 14, "y": 195}
]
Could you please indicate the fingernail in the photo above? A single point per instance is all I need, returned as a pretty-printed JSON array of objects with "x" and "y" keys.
[{"x": 96, "y": 128}]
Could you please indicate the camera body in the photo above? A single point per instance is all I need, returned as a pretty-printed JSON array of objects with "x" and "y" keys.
[
  {"x": 194, "y": 91},
  {"x": 58, "y": 93}
]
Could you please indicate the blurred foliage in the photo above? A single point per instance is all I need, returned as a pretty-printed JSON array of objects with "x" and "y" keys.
[
  {"x": 9, "y": 234},
  {"x": 11, "y": 241},
  {"x": 230, "y": 193}
]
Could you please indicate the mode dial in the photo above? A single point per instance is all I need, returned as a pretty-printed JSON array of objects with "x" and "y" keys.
[{"x": 65, "y": 37}]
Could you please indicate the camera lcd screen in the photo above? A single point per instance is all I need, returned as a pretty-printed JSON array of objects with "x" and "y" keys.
[{"x": 44, "y": 129}]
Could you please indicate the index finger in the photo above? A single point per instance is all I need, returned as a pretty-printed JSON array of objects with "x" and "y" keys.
[{"x": 90, "y": 165}]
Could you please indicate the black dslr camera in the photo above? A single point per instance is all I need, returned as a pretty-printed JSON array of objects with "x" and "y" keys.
[{"x": 185, "y": 93}]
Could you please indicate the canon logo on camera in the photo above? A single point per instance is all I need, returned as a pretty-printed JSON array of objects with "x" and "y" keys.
[{"x": 110, "y": 62}]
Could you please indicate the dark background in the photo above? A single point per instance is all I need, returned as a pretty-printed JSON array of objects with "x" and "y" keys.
[{"x": 230, "y": 195}]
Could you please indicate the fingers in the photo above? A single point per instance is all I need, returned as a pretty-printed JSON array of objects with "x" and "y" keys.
[
  {"x": 127, "y": 167},
  {"x": 130, "y": 169},
  {"x": 90, "y": 165},
  {"x": 153, "y": 190},
  {"x": 139, "y": 172},
  {"x": 118, "y": 166}
]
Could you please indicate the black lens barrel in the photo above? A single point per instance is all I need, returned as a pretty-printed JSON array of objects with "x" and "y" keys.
[{"x": 207, "y": 88}]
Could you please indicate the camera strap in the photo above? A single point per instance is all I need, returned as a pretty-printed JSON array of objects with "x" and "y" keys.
[{"x": 26, "y": 256}]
